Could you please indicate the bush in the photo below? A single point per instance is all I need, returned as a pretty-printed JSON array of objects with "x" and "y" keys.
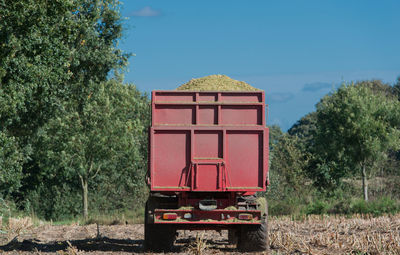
[
  {"x": 54, "y": 202},
  {"x": 338, "y": 203},
  {"x": 318, "y": 207},
  {"x": 276, "y": 208},
  {"x": 384, "y": 205}
]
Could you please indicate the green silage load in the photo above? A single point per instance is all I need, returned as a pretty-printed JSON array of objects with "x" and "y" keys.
[{"x": 216, "y": 82}]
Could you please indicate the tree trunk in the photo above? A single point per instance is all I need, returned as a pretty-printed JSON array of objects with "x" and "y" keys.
[
  {"x": 84, "y": 184},
  {"x": 364, "y": 182}
]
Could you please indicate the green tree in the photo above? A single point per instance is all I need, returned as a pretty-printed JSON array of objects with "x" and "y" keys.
[
  {"x": 377, "y": 87},
  {"x": 396, "y": 88},
  {"x": 11, "y": 160},
  {"x": 275, "y": 133},
  {"x": 305, "y": 129},
  {"x": 100, "y": 142},
  {"x": 52, "y": 53},
  {"x": 34, "y": 59},
  {"x": 289, "y": 187},
  {"x": 289, "y": 161},
  {"x": 355, "y": 127},
  {"x": 32, "y": 72}
]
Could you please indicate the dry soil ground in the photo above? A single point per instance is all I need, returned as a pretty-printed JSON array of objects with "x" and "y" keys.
[{"x": 312, "y": 235}]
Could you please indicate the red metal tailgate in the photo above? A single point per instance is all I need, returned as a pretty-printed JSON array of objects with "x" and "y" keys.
[{"x": 208, "y": 141}]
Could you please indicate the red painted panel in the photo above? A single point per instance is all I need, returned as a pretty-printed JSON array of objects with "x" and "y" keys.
[
  {"x": 170, "y": 96},
  {"x": 207, "y": 97},
  {"x": 171, "y": 158},
  {"x": 208, "y": 115},
  {"x": 208, "y": 144},
  {"x": 174, "y": 114},
  {"x": 241, "y": 115},
  {"x": 241, "y": 97},
  {"x": 206, "y": 177},
  {"x": 244, "y": 159}
]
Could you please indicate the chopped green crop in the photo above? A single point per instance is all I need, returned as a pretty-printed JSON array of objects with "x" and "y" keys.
[
  {"x": 231, "y": 208},
  {"x": 216, "y": 82}
]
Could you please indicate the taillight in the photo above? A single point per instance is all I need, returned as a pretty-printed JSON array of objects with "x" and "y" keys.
[
  {"x": 170, "y": 216},
  {"x": 245, "y": 216}
]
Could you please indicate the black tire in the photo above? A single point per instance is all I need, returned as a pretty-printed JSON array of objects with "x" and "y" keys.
[
  {"x": 157, "y": 238},
  {"x": 233, "y": 236},
  {"x": 254, "y": 237}
]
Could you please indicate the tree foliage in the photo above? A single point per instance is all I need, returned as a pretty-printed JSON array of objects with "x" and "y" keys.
[
  {"x": 56, "y": 58},
  {"x": 288, "y": 161},
  {"x": 101, "y": 145},
  {"x": 50, "y": 51},
  {"x": 275, "y": 133},
  {"x": 378, "y": 87},
  {"x": 396, "y": 88},
  {"x": 304, "y": 129},
  {"x": 355, "y": 127},
  {"x": 11, "y": 160}
]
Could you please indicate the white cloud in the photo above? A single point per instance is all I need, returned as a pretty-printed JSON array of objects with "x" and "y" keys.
[
  {"x": 317, "y": 86},
  {"x": 279, "y": 97},
  {"x": 146, "y": 11}
]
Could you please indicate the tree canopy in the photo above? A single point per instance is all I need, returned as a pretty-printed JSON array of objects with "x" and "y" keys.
[
  {"x": 51, "y": 51},
  {"x": 65, "y": 114},
  {"x": 103, "y": 143},
  {"x": 355, "y": 127}
]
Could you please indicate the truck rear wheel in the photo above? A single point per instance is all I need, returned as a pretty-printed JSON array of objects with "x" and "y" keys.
[
  {"x": 157, "y": 237},
  {"x": 254, "y": 237},
  {"x": 232, "y": 236}
]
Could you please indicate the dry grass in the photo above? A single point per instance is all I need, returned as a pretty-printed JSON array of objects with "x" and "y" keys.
[
  {"x": 361, "y": 234},
  {"x": 336, "y": 235},
  {"x": 14, "y": 228},
  {"x": 198, "y": 246},
  {"x": 19, "y": 224},
  {"x": 71, "y": 250}
]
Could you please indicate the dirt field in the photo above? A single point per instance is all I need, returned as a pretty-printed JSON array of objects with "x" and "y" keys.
[{"x": 313, "y": 235}]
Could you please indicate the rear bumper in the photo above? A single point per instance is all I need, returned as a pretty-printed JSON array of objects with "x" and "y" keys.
[{"x": 198, "y": 217}]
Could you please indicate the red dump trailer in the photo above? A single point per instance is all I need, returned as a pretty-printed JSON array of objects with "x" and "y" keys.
[{"x": 208, "y": 158}]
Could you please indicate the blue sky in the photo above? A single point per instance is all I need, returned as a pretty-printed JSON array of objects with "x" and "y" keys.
[{"x": 297, "y": 51}]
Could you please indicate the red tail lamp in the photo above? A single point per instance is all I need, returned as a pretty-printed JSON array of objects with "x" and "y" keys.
[
  {"x": 170, "y": 216},
  {"x": 245, "y": 216}
]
